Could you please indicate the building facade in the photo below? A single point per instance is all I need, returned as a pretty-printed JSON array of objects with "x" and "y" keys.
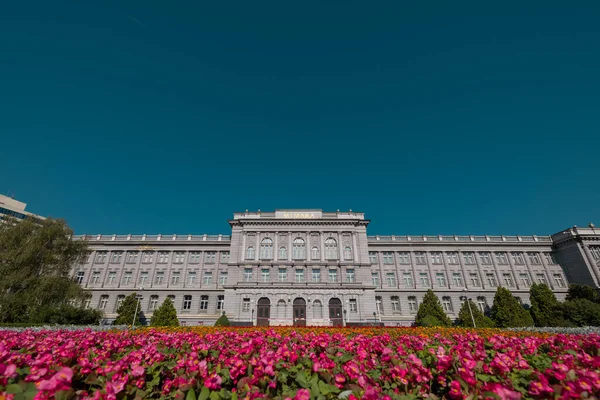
[
  {"x": 309, "y": 267},
  {"x": 15, "y": 209}
]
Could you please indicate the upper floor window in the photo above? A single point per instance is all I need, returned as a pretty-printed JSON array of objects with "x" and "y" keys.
[
  {"x": 266, "y": 249},
  {"x": 517, "y": 258},
  {"x": 525, "y": 281},
  {"x": 353, "y": 305},
  {"x": 457, "y": 278},
  {"x": 79, "y": 277},
  {"x": 440, "y": 278},
  {"x": 247, "y": 274},
  {"x": 453, "y": 258},
  {"x": 187, "y": 302},
  {"x": 132, "y": 257},
  {"x": 391, "y": 279},
  {"x": 223, "y": 278},
  {"x": 350, "y": 275},
  {"x": 250, "y": 253},
  {"x": 314, "y": 253},
  {"x": 469, "y": 257},
  {"x": 100, "y": 257},
  {"x": 420, "y": 258},
  {"x": 501, "y": 258},
  {"x": 541, "y": 278},
  {"x": 559, "y": 281},
  {"x": 299, "y": 275},
  {"x": 159, "y": 277},
  {"x": 550, "y": 258},
  {"x": 408, "y": 280},
  {"x": 595, "y": 250},
  {"x": 375, "y": 278},
  {"x": 103, "y": 302},
  {"x": 316, "y": 275},
  {"x": 424, "y": 277},
  {"x": 330, "y": 249},
  {"x": 208, "y": 277},
  {"x": 373, "y": 257},
  {"x": 347, "y": 253},
  {"x": 332, "y": 275},
  {"x": 491, "y": 279},
  {"x": 486, "y": 258},
  {"x": 178, "y": 257},
  {"x": 224, "y": 257},
  {"x": 210, "y": 257},
  {"x": 508, "y": 282},
  {"x": 153, "y": 303},
  {"x": 194, "y": 257},
  {"x": 115, "y": 257},
  {"x": 482, "y": 304},
  {"x": 436, "y": 257},
  {"x": 204, "y": 302},
  {"x": 412, "y": 304},
  {"x": 403, "y": 257},
  {"x": 163, "y": 257},
  {"x": 299, "y": 249},
  {"x": 282, "y": 275},
  {"x": 96, "y": 277},
  {"x": 147, "y": 257},
  {"x": 282, "y": 253},
  {"x": 388, "y": 257},
  {"x": 534, "y": 258},
  {"x": 474, "y": 278}
]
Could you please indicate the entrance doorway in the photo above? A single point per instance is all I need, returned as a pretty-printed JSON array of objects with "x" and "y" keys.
[
  {"x": 335, "y": 312},
  {"x": 299, "y": 312},
  {"x": 263, "y": 312}
]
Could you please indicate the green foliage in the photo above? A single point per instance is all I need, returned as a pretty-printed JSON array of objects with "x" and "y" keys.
[
  {"x": 430, "y": 320},
  {"x": 581, "y": 312},
  {"x": 582, "y": 292},
  {"x": 67, "y": 315},
  {"x": 465, "y": 320},
  {"x": 431, "y": 306},
  {"x": 545, "y": 309},
  {"x": 127, "y": 311},
  {"x": 222, "y": 321},
  {"x": 165, "y": 315},
  {"x": 507, "y": 312},
  {"x": 36, "y": 257}
]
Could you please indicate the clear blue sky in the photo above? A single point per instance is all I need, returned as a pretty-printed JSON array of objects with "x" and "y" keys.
[{"x": 430, "y": 117}]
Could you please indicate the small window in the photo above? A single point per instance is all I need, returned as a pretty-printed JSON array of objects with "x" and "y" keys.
[
  {"x": 103, "y": 302},
  {"x": 347, "y": 253},
  {"x": 447, "y": 303},
  {"x": 250, "y": 253},
  {"x": 282, "y": 253},
  {"x": 187, "y": 302},
  {"x": 412, "y": 304},
  {"x": 204, "y": 302},
  {"x": 395, "y": 301},
  {"x": 246, "y": 305},
  {"x": 314, "y": 253},
  {"x": 353, "y": 305},
  {"x": 350, "y": 278},
  {"x": 223, "y": 278},
  {"x": 375, "y": 278}
]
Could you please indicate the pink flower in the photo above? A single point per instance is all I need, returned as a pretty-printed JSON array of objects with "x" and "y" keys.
[
  {"x": 455, "y": 390},
  {"x": 302, "y": 394},
  {"x": 213, "y": 382},
  {"x": 138, "y": 371}
]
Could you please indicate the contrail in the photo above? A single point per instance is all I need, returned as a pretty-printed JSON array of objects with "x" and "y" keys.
[{"x": 138, "y": 22}]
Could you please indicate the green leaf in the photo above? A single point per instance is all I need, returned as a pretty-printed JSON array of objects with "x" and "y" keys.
[
  {"x": 345, "y": 394},
  {"x": 191, "y": 395},
  {"x": 214, "y": 396},
  {"x": 204, "y": 393},
  {"x": 326, "y": 388},
  {"x": 234, "y": 396},
  {"x": 483, "y": 377},
  {"x": 302, "y": 379},
  {"x": 14, "y": 388},
  {"x": 346, "y": 357}
]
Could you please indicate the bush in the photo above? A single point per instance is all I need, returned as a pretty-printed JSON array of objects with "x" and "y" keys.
[
  {"x": 581, "y": 312},
  {"x": 431, "y": 306},
  {"x": 545, "y": 309},
  {"x": 165, "y": 315},
  {"x": 507, "y": 312},
  {"x": 67, "y": 315},
  {"x": 465, "y": 320},
  {"x": 127, "y": 310},
  {"x": 582, "y": 292},
  {"x": 222, "y": 321}
]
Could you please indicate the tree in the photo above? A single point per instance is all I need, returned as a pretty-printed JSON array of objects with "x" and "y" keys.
[
  {"x": 582, "y": 292},
  {"x": 127, "y": 311},
  {"x": 465, "y": 320},
  {"x": 36, "y": 257},
  {"x": 581, "y": 312},
  {"x": 507, "y": 312},
  {"x": 545, "y": 309},
  {"x": 165, "y": 315},
  {"x": 222, "y": 321},
  {"x": 67, "y": 315},
  {"x": 431, "y": 306}
]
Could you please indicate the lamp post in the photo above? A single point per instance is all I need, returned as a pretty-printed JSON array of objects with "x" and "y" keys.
[
  {"x": 345, "y": 317},
  {"x": 469, "y": 305},
  {"x": 137, "y": 305}
]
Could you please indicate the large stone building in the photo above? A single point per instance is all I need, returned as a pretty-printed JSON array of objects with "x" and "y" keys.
[
  {"x": 320, "y": 268},
  {"x": 9, "y": 207}
]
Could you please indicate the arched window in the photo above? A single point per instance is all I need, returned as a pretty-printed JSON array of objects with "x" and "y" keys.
[
  {"x": 299, "y": 249},
  {"x": 347, "y": 253},
  {"x": 281, "y": 309},
  {"x": 250, "y": 253},
  {"x": 266, "y": 249},
  {"x": 314, "y": 253},
  {"x": 317, "y": 309},
  {"x": 282, "y": 253},
  {"x": 331, "y": 249}
]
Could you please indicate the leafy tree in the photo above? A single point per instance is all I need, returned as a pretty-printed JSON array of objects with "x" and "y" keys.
[
  {"x": 581, "y": 312},
  {"x": 507, "y": 312},
  {"x": 165, "y": 315},
  {"x": 430, "y": 320},
  {"x": 222, "y": 321},
  {"x": 545, "y": 309},
  {"x": 431, "y": 306},
  {"x": 36, "y": 257},
  {"x": 582, "y": 292},
  {"x": 465, "y": 320},
  {"x": 127, "y": 311},
  {"x": 67, "y": 315}
]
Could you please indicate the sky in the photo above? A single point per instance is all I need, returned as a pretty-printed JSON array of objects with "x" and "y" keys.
[{"x": 431, "y": 117}]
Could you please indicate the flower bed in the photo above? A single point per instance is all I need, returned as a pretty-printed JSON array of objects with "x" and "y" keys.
[{"x": 308, "y": 363}]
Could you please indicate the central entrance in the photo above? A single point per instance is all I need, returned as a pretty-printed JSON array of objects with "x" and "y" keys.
[
  {"x": 263, "y": 311},
  {"x": 335, "y": 312},
  {"x": 299, "y": 312}
]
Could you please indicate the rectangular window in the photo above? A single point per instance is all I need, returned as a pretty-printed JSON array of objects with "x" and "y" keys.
[
  {"x": 534, "y": 258},
  {"x": 246, "y": 305},
  {"x": 159, "y": 278},
  {"x": 440, "y": 278},
  {"x": 453, "y": 258},
  {"x": 179, "y": 257},
  {"x": 153, "y": 303},
  {"x": 175, "y": 275},
  {"x": 595, "y": 250},
  {"x": 541, "y": 278},
  {"x": 112, "y": 276},
  {"x": 208, "y": 277},
  {"x": 517, "y": 258},
  {"x": 469, "y": 257},
  {"x": 224, "y": 257},
  {"x": 391, "y": 279},
  {"x": 100, "y": 257},
  {"x": 282, "y": 275},
  {"x": 559, "y": 281},
  {"x": 457, "y": 279},
  {"x": 191, "y": 278},
  {"x": 508, "y": 282},
  {"x": 127, "y": 277},
  {"x": 120, "y": 299},
  {"x": 143, "y": 277},
  {"x": 407, "y": 279},
  {"x": 194, "y": 257},
  {"x": 333, "y": 275},
  {"x": 299, "y": 275},
  {"x": 481, "y": 304},
  {"x": 412, "y": 305},
  {"x": 373, "y": 257},
  {"x": 103, "y": 302},
  {"x": 375, "y": 278},
  {"x": 88, "y": 257},
  {"x": 316, "y": 275},
  {"x": 247, "y": 274},
  {"x": 388, "y": 257},
  {"x": 378, "y": 304},
  {"x": 147, "y": 257},
  {"x": 474, "y": 278},
  {"x": 395, "y": 303},
  {"x": 115, "y": 257},
  {"x": 447, "y": 304},
  {"x": 79, "y": 277},
  {"x": 525, "y": 281},
  {"x": 486, "y": 258},
  {"x": 550, "y": 258},
  {"x": 353, "y": 305},
  {"x": 163, "y": 257},
  {"x": 204, "y": 302},
  {"x": 501, "y": 258},
  {"x": 132, "y": 257},
  {"x": 187, "y": 302},
  {"x": 210, "y": 257},
  {"x": 491, "y": 280},
  {"x": 424, "y": 278},
  {"x": 223, "y": 278},
  {"x": 350, "y": 276},
  {"x": 220, "y": 302},
  {"x": 420, "y": 258},
  {"x": 436, "y": 257},
  {"x": 265, "y": 275},
  {"x": 404, "y": 258}
]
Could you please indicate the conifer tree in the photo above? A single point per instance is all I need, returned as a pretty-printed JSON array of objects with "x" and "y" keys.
[
  {"x": 465, "y": 320},
  {"x": 165, "y": 315},
  {"x": 222, "y": 321},
  {"x": 544, "y": 305},
  {"x": 431, "y": 306},
  {"x": 127, "y": 310},
  {"x": 507, "y": 312}
]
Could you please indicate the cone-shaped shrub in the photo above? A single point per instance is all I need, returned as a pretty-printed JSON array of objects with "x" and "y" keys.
[
  {"x": 165, "y": 315},
  {"x": 507, "y": 312},
  {"x": 431, "y": 307}
]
